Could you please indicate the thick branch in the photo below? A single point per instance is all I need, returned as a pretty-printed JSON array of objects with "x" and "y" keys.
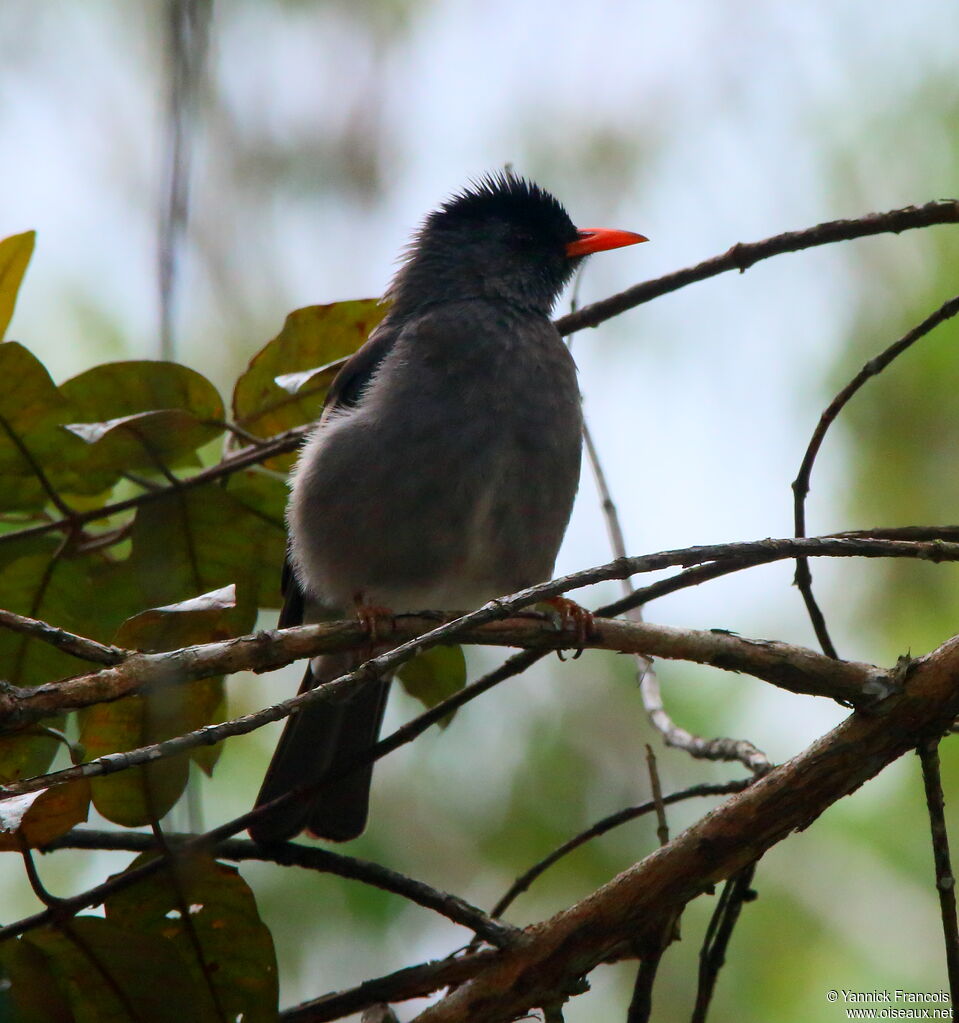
[
  {"x": 788, "y": 798},
  {"x": 789, "y": 667},
  {"x": 268, "y": 650}
]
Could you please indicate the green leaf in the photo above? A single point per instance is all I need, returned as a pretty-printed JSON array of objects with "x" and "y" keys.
[
  {"x": 310, "y": 343},
  {"x": 27, "y": 394},
  {"x": 197, "y": 540},
  {"x": 15, "y": 253},
  {"x": 142, "y": 794},
  {"x": 237, "y": 946},
  {"x": 116, "y": 389},
  {"x": 147, "y": 970},
  {"x": 28, "y": 988},
  {"x": 433, "y": 675},
  {"x": 139, "y": 414},
  {"x": 145, "y": 439},
  {"x": 265, "y": 494}
]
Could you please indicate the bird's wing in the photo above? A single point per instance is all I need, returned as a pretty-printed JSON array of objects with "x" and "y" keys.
[
  {"x": 348, "y": 384},
  {"x": 344, "y": 393}
]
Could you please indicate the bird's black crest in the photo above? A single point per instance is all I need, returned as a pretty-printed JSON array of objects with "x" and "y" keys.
[{"x": 506, "y": 196}]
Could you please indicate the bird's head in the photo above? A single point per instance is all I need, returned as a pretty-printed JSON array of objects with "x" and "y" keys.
[{"x": 502, "y": 238}]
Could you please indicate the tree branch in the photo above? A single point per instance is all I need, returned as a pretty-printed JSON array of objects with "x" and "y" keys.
[
  {"x": 743, "y": 255},
  {"x": 242, "y": 459},
  {"x": 800, "y": 484},
  {"x": 289, "y": 854},
  {"x": 68, "y": 642},
  {"x": 523, "y": 882},
  {"x": 267, "y": 650},
  {"x": 788, "y": 798},
  {"x": 945, "y": 879},
  {"x": 793, "y": 668}
]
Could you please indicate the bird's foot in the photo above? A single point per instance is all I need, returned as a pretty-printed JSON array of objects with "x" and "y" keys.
[
  {"x": 375, "y": 619},
  {"x": 574, "y": 617}
]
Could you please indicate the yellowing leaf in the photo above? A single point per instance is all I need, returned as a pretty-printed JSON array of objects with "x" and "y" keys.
[
  {"x": 15, "y": 253},
  {"x": 286, "y": 381},
  {"x": 37, "y": 818},
  {"x": 145, "y": 793}
]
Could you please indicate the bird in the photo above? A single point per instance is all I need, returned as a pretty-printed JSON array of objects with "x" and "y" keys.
[{"x": 442, "y": 470}]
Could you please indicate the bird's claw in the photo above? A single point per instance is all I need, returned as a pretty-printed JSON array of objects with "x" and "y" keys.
[
  {"x": 373, "y": 618},
  {"x": 576, "y": 618}
]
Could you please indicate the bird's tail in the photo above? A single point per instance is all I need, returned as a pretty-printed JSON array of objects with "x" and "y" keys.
[{"x": 321, "y": 739}]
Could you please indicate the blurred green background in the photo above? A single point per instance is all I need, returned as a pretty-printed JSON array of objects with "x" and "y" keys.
[{"x": 323, "y": 132}]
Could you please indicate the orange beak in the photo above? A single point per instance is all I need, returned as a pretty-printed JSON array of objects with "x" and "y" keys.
[{"x": 596, "y": 239}]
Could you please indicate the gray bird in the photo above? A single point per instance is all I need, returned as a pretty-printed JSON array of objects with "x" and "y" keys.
[{"x": 443, "y": 469}]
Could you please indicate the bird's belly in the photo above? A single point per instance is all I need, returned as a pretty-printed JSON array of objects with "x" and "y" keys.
[{"x": 403, "y": 528}]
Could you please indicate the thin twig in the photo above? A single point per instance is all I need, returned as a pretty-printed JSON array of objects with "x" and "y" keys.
[
  {"x": 522, "y": 883},
  {"x": 736, "y": 891},
  {"x": 282, "y": 443},
  {"x": 59, "y": 918},
  {"x": 186, "y": 917},
  {"x": 36, "y": 602},
  {"x": 70, "y": 643},
  {"x": 662, "y": 827},
  {"x": 743, "y": 255},
  {"x": 289, "y": 854},
  {"x": 800, "y": 486},
  {"x": 62, "y": 507},
  {"x": 410, "y": 982},
  {"x": 945, "y": 879},
  {"x": 651, "y": 951},
  {"x": 719, "y": 748},
  {"x": 187, "y": 31},
  {"x": 646, "y": 677}
]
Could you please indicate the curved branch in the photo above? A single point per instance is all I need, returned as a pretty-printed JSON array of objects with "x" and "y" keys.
[
  {"x": 289, "y": 854},
  {"x": 614, "y": 820},
  {"x": 800, "y": 486}
]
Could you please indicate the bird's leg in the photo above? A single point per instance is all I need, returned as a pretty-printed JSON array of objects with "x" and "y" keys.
[
  {"x": 373, "y": 617},
  {"x": 575, "y": 617}
]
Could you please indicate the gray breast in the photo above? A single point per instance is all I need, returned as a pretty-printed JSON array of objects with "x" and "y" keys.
[{"x": 453, "y": 478}]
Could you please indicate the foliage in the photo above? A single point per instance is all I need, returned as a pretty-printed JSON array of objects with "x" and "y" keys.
[{"x": 125, "y": 518}]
